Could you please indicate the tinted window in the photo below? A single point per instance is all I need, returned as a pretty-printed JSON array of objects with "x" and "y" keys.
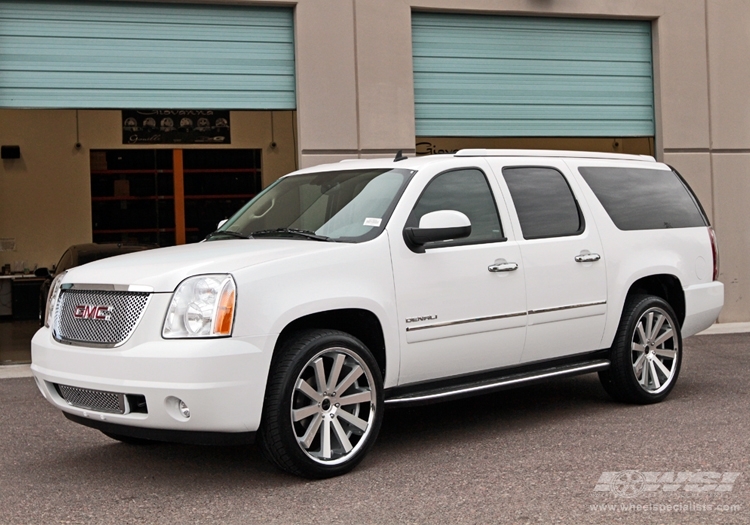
[
  {"x": 644, "y": 199},
  {"x": 466, "y": 191},
  {"x": 544, "y": 203}
]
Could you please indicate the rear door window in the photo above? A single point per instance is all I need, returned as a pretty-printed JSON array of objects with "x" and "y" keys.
[
  {"x": 644, "y": 199},
  {"x": 544, "y": 202}
]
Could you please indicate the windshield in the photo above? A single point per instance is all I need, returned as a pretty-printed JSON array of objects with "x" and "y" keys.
[{"x": 348, "y": 206}]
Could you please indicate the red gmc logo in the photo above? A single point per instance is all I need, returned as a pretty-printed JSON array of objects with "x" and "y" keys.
[{"x": 95, "y": 312}]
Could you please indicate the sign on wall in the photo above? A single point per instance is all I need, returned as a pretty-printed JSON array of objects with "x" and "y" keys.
[{"x": 175, "y": 126}]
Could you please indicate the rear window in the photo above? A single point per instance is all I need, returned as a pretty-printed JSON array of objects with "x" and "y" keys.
[{"x": 644, "y": 199}]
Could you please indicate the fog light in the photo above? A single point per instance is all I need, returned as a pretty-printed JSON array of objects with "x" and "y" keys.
[{"x": 184, "y": 410}]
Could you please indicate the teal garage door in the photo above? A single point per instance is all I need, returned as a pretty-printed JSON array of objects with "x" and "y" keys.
[
  {"x": 502, "y": 76},
  {"x": 66, "y": 54}
]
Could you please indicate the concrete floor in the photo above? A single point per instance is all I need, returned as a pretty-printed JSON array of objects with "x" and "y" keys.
[
  {"x": 529, "y": 456},
  {"x": 15, "y": 341}
]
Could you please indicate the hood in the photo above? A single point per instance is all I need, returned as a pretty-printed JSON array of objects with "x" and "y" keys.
[{"x": 164, "y": 268}]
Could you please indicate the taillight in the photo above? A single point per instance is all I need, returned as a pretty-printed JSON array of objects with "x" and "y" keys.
[{"x": 715, "y": 251}]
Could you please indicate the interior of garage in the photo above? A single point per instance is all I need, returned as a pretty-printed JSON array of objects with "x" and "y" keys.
[{"x": 76, "y": 182}]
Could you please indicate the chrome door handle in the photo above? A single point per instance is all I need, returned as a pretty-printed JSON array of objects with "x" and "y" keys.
[
  {"x": 588, "y": 257},
  {"x": 503, "y": 267}
]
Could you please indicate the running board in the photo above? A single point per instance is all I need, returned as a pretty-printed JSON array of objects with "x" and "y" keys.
[{"x": 492, "y": 385}]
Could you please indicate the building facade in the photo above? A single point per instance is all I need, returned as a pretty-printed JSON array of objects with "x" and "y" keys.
[{"x": 312, "y": 81}]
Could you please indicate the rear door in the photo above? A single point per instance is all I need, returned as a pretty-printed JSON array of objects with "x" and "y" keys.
[{"x": 562, "y": 257}]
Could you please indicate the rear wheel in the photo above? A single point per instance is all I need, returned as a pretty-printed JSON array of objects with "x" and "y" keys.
[
  {"x": 323, "y": 406},
  {"x": 647, "y": 352}
]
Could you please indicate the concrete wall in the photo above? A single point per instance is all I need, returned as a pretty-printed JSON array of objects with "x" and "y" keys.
[
  {"x": 728, "y": 25},
  {"x": 355, "y": 99},
  {"x": 45, "y": 196}
]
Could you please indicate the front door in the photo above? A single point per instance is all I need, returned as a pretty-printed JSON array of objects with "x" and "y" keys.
[{"x": 457, "y": 313}]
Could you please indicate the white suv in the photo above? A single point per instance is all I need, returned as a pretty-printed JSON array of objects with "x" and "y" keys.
[{"x": 347, "y": 287}]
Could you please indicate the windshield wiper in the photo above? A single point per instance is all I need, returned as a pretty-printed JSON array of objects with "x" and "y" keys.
[
  {"x": 228, "y": 233},
  {"x": 307, "y": 234}
]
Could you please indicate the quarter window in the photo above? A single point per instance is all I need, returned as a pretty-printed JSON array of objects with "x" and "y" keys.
[
  {"x": 544, "y": 203},
  {"x": 466, "y": 191},
  {"x": 644, "y": 199}
]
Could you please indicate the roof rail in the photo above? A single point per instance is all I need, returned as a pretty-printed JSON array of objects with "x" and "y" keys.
[{"x": 481, "y": 152}]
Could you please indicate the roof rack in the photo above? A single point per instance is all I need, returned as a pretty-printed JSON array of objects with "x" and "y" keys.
[{"x": 481, "y": 152}]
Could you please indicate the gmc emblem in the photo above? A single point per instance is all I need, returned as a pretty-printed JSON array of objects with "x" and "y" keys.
[{"x": 95, "y": 312}]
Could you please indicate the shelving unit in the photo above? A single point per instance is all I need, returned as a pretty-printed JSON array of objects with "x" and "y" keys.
[
  {"x": 168, "y": 197},
  {"x": 217, "y": 183}
]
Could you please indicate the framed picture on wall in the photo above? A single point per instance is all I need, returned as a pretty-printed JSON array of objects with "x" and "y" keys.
[{"x": 175, "y": 126}]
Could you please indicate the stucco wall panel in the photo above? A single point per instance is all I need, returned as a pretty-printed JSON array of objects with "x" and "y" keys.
[
  {"x": 696, "y": 169},
  {"x": 732, "y": 216},
  {"x": 683, "y": 82},
  {"x": 729, "y": 48},
  {"x": 326, "y": 87},
  {"x": 384, "y": 73}
]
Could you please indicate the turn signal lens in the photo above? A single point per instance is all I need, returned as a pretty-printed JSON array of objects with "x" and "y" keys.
[{"x": 225, "y": 312}]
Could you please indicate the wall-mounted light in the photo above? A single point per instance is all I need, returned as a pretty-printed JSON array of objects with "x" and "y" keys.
[{"x": 10, "y": 152}]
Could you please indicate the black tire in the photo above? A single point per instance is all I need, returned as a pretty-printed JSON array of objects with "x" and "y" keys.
[
  {"x": 635, "y": 349},
  {"x": 128, "y": 440},
  {"x": 352, "y": 423}
]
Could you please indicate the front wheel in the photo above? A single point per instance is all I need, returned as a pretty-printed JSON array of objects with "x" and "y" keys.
[
  {"x": 323, "y": 406},
  {"x": 646, "y": 354}
]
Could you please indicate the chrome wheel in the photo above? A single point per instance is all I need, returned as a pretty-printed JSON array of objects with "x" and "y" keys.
[
  {"x": 333, "y": 405},
  {"x": 646, "y": 353},
  {"x": 654, "y": 350}
]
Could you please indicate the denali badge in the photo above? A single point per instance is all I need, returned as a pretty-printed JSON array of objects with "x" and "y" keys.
[
  {"x": 417, "y": 319},
  {"x": 95, "y": 312}
]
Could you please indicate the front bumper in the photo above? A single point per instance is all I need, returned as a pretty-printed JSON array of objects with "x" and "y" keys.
[{"x": 221, "y": 380}]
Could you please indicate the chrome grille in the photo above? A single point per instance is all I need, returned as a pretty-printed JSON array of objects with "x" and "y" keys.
[
  {"x": 93, "y": 399},
  {"x": 124, "y": 312}
]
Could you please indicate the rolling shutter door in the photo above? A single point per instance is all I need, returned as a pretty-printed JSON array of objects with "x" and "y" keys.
[
  {"x": 65, "y": 54},
  {"x": 501, "y": 76}
]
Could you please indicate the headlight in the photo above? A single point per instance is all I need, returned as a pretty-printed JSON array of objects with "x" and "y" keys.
[
  {"x": 52, "y": 297},
  {"x": 202, "y": 306}
]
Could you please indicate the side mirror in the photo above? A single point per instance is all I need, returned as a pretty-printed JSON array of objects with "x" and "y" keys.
[
  {"x": 441, "y": 225},
  {"x": 222, "y": 223},
  {"x": 42, "y": 272}
]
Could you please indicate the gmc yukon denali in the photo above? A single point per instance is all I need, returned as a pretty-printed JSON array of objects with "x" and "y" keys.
[{"x": 344, "y": 288}]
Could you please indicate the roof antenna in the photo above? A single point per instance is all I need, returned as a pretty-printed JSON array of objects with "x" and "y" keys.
[{"x": 400, "y": 156}]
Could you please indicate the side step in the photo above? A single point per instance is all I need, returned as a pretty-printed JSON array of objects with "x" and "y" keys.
[{"x": 436, "y": 394}]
